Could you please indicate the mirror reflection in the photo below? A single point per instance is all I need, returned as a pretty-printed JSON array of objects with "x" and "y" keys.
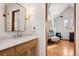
[{"x": 15, "y": 17}]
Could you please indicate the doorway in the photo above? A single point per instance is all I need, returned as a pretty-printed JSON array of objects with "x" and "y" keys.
[{"x": 60, "y": 41}]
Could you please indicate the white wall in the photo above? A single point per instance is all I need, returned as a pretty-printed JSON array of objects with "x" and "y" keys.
[
  {"x": 37, "y": 20},
  {"x": 77, "y": 29},
  {"x": 67, "y": 14},
  {"x": 51, "y": 23},
  {"x": 2, "y": 21},
  {"x": 40, "y": 27}
]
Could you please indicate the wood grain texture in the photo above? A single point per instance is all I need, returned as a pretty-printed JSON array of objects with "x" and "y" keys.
[
  {"x": 26, "y": 47},
  {"x": 46, "y": 24},
  {"x": 29, "y": 48},
  {"x": 75, "y": 29},
  {"x": 8, "y": 52}
]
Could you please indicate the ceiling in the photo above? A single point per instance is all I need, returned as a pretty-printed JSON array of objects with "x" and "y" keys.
[
  {"x": 27, "y": 4},
  {"x": 55, "y": 9}
]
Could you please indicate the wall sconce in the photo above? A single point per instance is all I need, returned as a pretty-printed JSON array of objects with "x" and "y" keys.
[
  {"x": 27, "y": 18},
  {"x": 5, "y": 15}
]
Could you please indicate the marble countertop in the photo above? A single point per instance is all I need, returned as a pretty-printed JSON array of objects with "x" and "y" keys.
[{"x": 7, "y": 43}]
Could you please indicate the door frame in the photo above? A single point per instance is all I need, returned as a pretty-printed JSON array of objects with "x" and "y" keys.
[
  {"x": 74, "y": 29},
  {"x": 46, "y": 25},
  {"x": 13, "y": 18}
]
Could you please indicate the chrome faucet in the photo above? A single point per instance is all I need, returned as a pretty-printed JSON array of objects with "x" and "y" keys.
[{"x": 19, "y": 34}]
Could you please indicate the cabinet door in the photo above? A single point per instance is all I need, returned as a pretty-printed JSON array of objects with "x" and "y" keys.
[
  {"x": 27, "y": 48},
  {"x": 24, "y": 54},
  {"x": 32, "y": 48},
  {"x": 8, "y": 52},
  {"x": 31, "y": 51},
  {"x": 20, "y": 50},
  {"x": 0, "y": 53}
]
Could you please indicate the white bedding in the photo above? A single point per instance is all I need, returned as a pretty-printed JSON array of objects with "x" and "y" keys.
[{"x": 54, "y": 38}]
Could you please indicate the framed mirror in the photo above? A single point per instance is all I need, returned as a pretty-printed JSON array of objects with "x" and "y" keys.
[{"x": 15, "y": 17}]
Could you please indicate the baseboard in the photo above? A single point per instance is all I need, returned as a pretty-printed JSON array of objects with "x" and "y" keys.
[{"x": 65, "y": 39}]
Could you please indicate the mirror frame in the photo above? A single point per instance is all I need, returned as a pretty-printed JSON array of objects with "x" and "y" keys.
[{"x": 6, "y": 28}]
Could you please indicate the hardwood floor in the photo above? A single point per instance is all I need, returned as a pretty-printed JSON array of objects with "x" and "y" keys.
[{"x": 63, "y": 48}]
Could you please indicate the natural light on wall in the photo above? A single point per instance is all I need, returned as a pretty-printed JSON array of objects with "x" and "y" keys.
[
  {"x": 66, "y": 23},
  {"x": 29, "y": 13}
]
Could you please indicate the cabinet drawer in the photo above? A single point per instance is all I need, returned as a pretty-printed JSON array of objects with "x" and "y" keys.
[{"x": 8, "y": 52}]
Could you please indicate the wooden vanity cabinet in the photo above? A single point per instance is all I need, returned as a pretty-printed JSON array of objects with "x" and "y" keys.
[
  {"x": 29, "y": 48},
  {"x": 8, "y": 52},
  {"x": 20, "y": 50}
]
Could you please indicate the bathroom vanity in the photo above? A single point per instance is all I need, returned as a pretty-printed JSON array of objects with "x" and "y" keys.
[
  {"x": 19, "y": 47},
  {"x": 15, "y": 25}
]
